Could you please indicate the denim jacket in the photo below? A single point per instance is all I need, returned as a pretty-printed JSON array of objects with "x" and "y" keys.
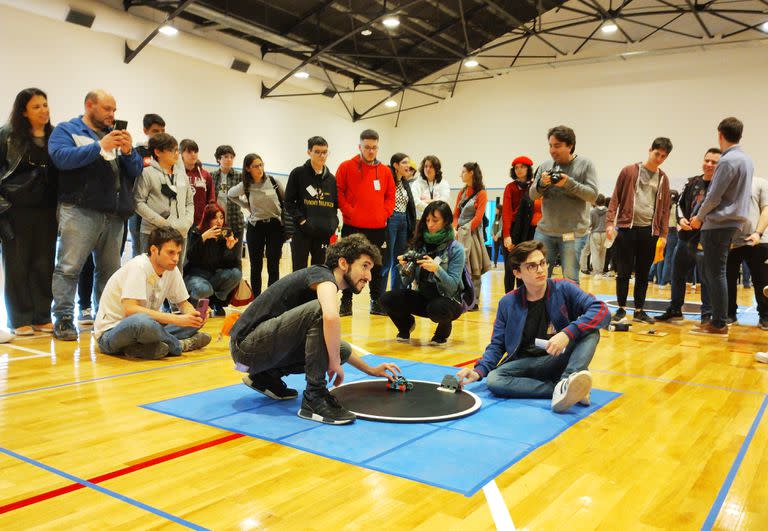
[{"x": 448, "y": 276}]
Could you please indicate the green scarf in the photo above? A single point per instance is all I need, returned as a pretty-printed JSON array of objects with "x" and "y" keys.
[{"x": 440, "y": 237}]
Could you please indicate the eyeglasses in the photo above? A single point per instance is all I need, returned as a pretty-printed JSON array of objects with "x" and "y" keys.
[
  {"x": 320, "y": 153},
  {"x": 533, "y": 267},
  {"x": 255, "y": 166},
  {"x": 370, "y": 148}
]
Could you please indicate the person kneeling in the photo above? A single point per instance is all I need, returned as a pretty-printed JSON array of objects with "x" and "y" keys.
[
  {"x": 294, "y": 327},
  {"x": 437, "y": 274},
  {"x": 129, "y": 320},
  {"x": 540, "y": 308},
  {"x": 213, "y": 262}
]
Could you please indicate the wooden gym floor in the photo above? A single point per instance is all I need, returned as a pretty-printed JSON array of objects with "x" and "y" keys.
[{"x": 684, "y": 447}]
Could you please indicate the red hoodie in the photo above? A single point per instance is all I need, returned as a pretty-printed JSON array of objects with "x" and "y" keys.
[{"x": 364, "y": 203}]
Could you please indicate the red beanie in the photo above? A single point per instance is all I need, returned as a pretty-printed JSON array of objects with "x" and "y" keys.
[{"x": 522, "y": 160}]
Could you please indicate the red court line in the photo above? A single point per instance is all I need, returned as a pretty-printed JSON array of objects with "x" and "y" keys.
[
  {"x": 463, "y": 363},
  {"x": 117, "y": 473}
]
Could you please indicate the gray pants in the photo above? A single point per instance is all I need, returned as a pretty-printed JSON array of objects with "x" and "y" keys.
[{"x": 291, "y": 343}]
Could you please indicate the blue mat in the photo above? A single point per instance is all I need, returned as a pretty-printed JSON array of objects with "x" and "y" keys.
[{"x": 501, "y": 433}]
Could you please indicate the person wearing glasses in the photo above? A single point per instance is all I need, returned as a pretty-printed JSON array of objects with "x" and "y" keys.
[
  {"x": 549, "y": 330},
  {"x": 312, "y": 201}
]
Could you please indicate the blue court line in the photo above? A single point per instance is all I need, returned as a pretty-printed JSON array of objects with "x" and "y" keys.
[
  {"x": 113, "y": 376},
  {"x": 101, "y": 489},
  {"x": 720, "y": 500}
]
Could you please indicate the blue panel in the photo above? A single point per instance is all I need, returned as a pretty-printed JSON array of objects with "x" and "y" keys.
[{"x": 520, "y": 424}]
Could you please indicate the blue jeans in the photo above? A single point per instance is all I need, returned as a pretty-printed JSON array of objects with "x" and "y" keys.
[
  {"x": 83, "y": 231},
  {"x": 716, "y": 244},
  {"x": 569, "y": 252},
  {"x": 202, "y": 284},
  {"x": 397, "y": 243},
  {"x": 134, "y": 228},
  {"x": 685, "y": 258},
  {"x": 669, "y": 251},
  {"x": 536, "y": 377},
  {"x": 140, "y": 328}
]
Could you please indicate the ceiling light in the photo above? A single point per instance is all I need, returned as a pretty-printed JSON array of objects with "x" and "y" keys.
[
  {"x": 471, "y": 63},
  {"x": 391, "y": 22},
  {"x": 390, "y": 103},
  {"x": 764, "y": 27},
  {"x": 301, "y": 74},
  {"x": 366, "y": 33},
  {"x": 169, "y": 30},
  {"x": 609, "y": 27}
]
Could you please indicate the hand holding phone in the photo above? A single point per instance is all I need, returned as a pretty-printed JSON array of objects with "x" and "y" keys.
[
  {"x": 121, "y": 125},
  {"x": 202, "y": 308}
]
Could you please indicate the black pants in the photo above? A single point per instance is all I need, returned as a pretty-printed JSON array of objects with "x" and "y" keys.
[
  {"x": 302, "y": 246},
  {"x": 401, "y": 305},
  {"x": 755, "y": 258},
  {"x": 265, "y": 235},
  {"x": 28, "y": 260},
  {"x": 377, "y": 237},
  {"x": 635, "y": 249}
]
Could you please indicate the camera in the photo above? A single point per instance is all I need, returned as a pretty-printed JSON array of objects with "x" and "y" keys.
[
  {"x": 410, "y": 258},
  {"x": 226, "y": 232},
  {"x": 555, "y": 176}
]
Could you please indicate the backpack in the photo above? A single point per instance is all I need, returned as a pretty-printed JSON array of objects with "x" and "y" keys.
[{"x": 467, "y": 293}]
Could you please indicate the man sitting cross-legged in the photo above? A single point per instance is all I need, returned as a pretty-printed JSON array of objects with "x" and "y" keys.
[
  {"x": 129, "y": 320},
  {"x": 557, "y": 311},
  {"x": 294, "y": 327}
]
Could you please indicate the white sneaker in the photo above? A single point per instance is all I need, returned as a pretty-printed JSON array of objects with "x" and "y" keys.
[
  {"x": 6, "y": 336},
  {"x": 586, "y": 401},
  {"x": 762, "y": 357},
  {"x": 571, "y": 390}
]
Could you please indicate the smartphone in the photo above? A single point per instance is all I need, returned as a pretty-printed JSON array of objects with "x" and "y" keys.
[
  {"x": 202, "y": 307},
  {"x": 121, "y": 125}
]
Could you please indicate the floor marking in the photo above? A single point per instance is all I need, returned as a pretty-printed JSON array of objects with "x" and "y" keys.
[
  {"x": 499, "y": 511},
  {"x": 5, "y": 358},
  {"x": 108, "y": 492},
  {"x": 117, "y": 473},
  {"x": 26, "y": 349},
  {"x": 720, "y": 500}
]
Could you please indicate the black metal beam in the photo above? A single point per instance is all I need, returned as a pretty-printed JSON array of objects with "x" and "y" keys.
[
  {"x": 351, "y": 116},
  {"x": 527, "y": 38},
  {"x": 400, "y": 108},
  {"x": 314, "y": 12},
  {"x": 744, "y": 25},
  {"x": 584, "y": 43},
  {"x": 514, "y": 20},
  {"x": 698, "y": 18},
  {"x": 130, "y": 54},
  {"x": 362, "y": 117},
  {"x": 608, "y": 16},
  {"x": 464, "y": 27},
  {"x": 743, "y": 30},
  {"x": 663, "y": 28},
  {"x": 458, "y": 73}
]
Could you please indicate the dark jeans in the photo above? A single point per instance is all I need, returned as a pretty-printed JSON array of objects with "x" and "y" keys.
[
  {"x": 141, "y": 329},
  {"x": 397, "y": 243},
  {"x": 635, "y": 248},
  {"x": 85, "y": 285},
  {"x": 401, "y": 305},
  {"x": 377, "y": 237},
  {"x": 684, "y": 260},
  {"x": 755, "y": 257},
  {"x": 669, "y": 251},
  {"x": 497, "y": 246},
  {"x": 536, "y": 377},
  {"x": 28, "y": 260},
  {"x": 301, "y": 248},
  {"x": 291, "y": 343},
  {"x": 715, "y": 243},
  {"x": 265, "y": 235},
  {"x": 201, "y": 284}
]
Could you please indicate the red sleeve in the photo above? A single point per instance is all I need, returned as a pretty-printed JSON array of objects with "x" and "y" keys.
[
  {"x": 456, "y": 209},
  {"x": 508, "y": 211},
  {"x": 481, "y": 199},
  {"x": 341, "y": 187}
]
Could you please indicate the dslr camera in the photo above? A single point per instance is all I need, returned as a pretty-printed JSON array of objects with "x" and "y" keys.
[
  {"x": 410, "y": 258},
  {"x": 555, "y": 176}
]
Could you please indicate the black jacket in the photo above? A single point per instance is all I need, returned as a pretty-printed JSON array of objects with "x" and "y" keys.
[
  {"x": 210, "y": 255},
  {"x": 688, "y": 205},
  {"x": 319, "y": 208}
]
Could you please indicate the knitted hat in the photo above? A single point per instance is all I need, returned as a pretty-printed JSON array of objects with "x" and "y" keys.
[{"x": 522, "y": 160}]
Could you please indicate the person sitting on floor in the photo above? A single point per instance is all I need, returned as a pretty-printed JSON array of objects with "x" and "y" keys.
[
  {"x": 294, "y": 327},
  {"x": 556, "y": 311},
  {"x": 129, "y": 320},
  {"x": 437, "y": 274},
  {"x": 213, "y": 265}
]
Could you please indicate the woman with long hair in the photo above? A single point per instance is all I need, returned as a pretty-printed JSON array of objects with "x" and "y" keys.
[
  {"x": 264, "y": 198},
  {"x": 28, "y": 196},
  {"x": 430, "y": 186},
  {"x": 517, "y": 214},
  {"x": 468, "y": 221},
  {"x": 213, "y": 262},
  {"x": 436, "y": 267},
  {"x": 401, "y": 223}
]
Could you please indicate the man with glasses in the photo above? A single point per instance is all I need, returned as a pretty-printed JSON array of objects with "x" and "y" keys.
[
  {"x": 366, "y": 199},
  {"x": 312, "y": 201},
  {"x": 549, "y": 329}
]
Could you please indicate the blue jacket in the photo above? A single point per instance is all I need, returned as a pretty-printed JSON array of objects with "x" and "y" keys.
[
  {"x": 85, "y": 176},
  {"x": 571, "y": 310},
  {"x": 447, "y": 278}
]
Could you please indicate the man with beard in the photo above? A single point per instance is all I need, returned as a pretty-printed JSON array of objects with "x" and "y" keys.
[{"x": 293, "y": 327}]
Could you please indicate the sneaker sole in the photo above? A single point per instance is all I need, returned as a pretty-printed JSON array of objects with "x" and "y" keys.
[
  {"x": 674, "y": 320},
  {"x": 700, "y": 332},
  {"x": 266, "y": 392},
  {"x": 403, "y": 340},
  {"x": 623, "y": 320},
  {"x": 577, "y": 390},
  {"x": 309, "y": 415},
  {"x": 157, "y": 354}
]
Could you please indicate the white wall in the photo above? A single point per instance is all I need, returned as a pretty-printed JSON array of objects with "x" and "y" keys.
[
  {"x": 209, "y": 103},
  {"x": 616, "y": 109}
]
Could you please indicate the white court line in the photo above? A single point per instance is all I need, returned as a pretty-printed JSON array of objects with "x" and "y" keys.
[
  {"x": 26, "y": 349},
  {"x": 499, "y": 511},
  {"x": 8, "y": 358}
]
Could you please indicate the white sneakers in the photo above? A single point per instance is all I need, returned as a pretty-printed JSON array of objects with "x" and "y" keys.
[
  {"x": 5, "y": 336},
  {"x": 762, "y": 357},
  {"x": 571, "y": 390}
]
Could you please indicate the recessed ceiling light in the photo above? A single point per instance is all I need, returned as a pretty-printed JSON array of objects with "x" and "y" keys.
[
  {"x": 391, "y": 22},
  {"x": 301, "y": 74},
  {"x": 471, "y": 63},
  {"x": 609, "y": 27},
  {"x": 390, "y": 103},
  {"x": 764, "y": 27},
  {"x": 169, "y": 30},
  {"x": 366, "y": 33}
]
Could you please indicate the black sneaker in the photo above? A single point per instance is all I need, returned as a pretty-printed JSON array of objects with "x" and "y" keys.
[
  {"x": 763, "y": 324},
  {"x": 218, "y": 309},
  {"x": 377, "y": 308},
  {"x": 64, "y": 329},
  {"x": 670, "y": 315},
  {"x": 640, "y": 315},
  {"x": 346, "y": 308},
  {"x": 730, "y": 321},
  {"x": 269, "y": 385},
  {"x": 198, "y": 341},
  {"x": 406, "y": 337},
  {"x": 706, "y": 318},
  {"x": 474, "y": 308},
  {"x": 437, "y": 341},
  {"x": 325, "y": 409},
  {"x": 442, "y": 333},
  {"x": 150, "y": 351},
  {"x": 619, "y": 316},
  {"x": 85, "y": 317}
]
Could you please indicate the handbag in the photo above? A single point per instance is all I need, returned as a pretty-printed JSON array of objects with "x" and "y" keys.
[
  {"x": 285, "y": 217},
  {"x": 243, "y": 295}
]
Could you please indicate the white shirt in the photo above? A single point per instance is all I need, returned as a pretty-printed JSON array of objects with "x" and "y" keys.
[
  {"x": 425, "y": 192},
  {"x": 137, "y": 280}
]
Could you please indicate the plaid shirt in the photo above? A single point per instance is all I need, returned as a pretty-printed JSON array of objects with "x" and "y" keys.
[{"x": 234, "y": 214}]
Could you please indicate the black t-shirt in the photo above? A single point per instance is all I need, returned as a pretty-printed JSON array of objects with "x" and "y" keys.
[
  {"x": 536, "y": 325},
  {"x": 287, "y": 293}
]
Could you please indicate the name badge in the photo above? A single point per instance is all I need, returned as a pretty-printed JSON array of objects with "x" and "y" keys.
[
  {"x": 568, "y": 237},
  {"x": 311, "y": 190},
  {"x": 377, "y": 185}
]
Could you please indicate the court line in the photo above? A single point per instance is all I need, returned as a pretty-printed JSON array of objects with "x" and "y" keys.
[
  {"x": 55, "y": 493},
  {"x": 34, "y": 356},
  {"x": 721, "y": 496},
  {"x": 27, "y": 349},
  {"x": 57, "y": 386},
  {"x": 499, "y": 511},
  {"x": 108, "y": 492}
]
